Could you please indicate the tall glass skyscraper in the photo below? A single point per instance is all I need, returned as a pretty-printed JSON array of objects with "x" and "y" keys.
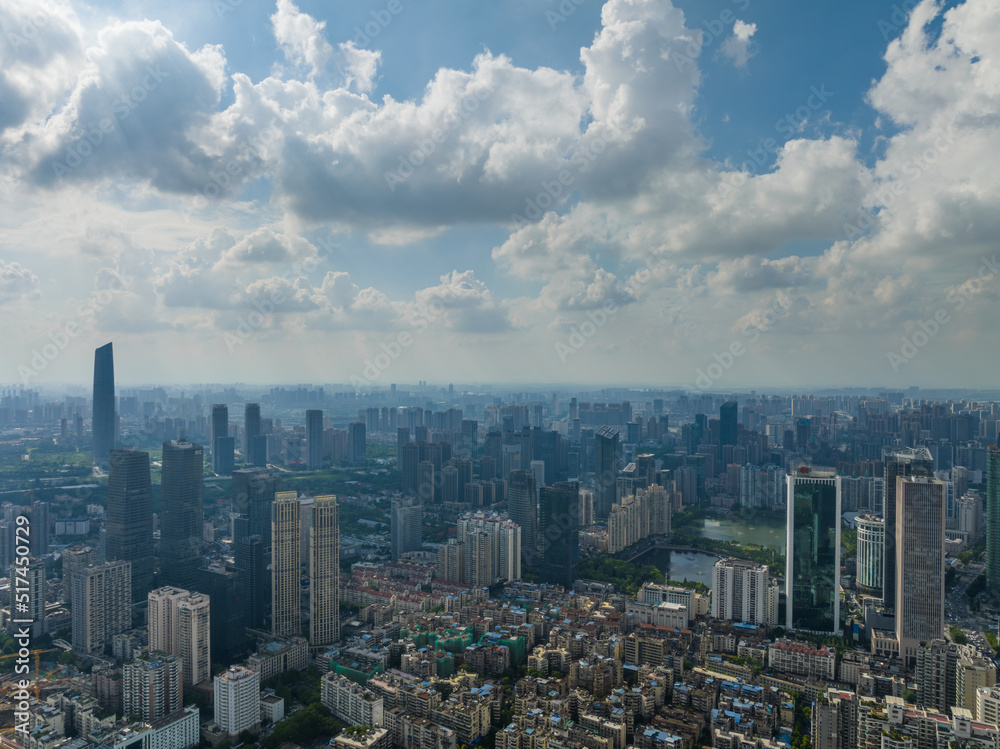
[
  {"x": 812, "y": 569},
  {"x": 104, "y": 404},
  {"x": 130, "y": 517},
  {"x": 522, "y": 506},
  {"x": 251, "y": 429},
  {"x": 181, "y": 514},
  {"x": 314, "y": 438},
  {"x": 993, "y": 520},
  {"x": 913, "y": 461},
  {"x": 559, "y": 532},
  {"x": 605, "y": 470},
  {"x": 727, "y": 425}
]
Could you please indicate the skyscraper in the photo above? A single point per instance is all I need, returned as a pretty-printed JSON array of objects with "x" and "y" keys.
[
  {"x": 104, "y": 404},
  {"x": 179, "y": 624},
  {"x": 920, "y": 519},
  {"x": 40, "y": 527},
  {"x": 727, "y": 425},
  {"x": 251, "y": 429},
  {"x": 993, "y": 520},
  {"x": 914, "y": 461},
  {"x": 405, "y": 525},
  {"x": 285, "y": 565},
  {"x": 152, "y": 686},
  {"x": 223, "y": 446},
  {"x": 522, "y": 506},
  {"x": 558, "y": 528},
  {"x": 356, "y": 443},
  {"x": 314, "y": 438},
  {"x": 225, "y": 596},
  {"x": 181, "y": 514},
  {"x": 324, "y": 572},
  {"x": 130, "y": 517},
  {"x": 812, "y": 570},
  {"x": 605, "y": 470},
  {"x": 101, "y": 601}
]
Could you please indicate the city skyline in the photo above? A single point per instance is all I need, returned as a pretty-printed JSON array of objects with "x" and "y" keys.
[{"x": 709, "y": 191}]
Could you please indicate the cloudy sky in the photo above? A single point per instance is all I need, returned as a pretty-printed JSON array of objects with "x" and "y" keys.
[{"x": 711, "y": 193}]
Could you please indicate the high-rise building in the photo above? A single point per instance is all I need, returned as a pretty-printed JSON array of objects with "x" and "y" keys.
[
  {"x": 742, "y": 592},
  {"x": 558, "y": 529},
  {"x": 605, "y": 470},
  {"x": 324, "y": 572},
  {"x": 152, "y": 686},
  {"x": 179, "y": 624},
  {"x": 522, "y": 506},
  {"x": 223, "y": 446},
  {"x": 356, "y": 443},
  {"x": 835, "y": 720},
  {"x": 253, "y": 498},
  {"x": 314, "y": 438},
  {"x": 406, "y": 525},
  {"x": 920, "y": 519},
  {"x": 101, "y": 601},
  {"x": 130, "y": 517},
  {"x": 285, "y": 565},
  {"x": 255, "y": 581},
  {"x": 35, "y": 605},
  {"x": 236, "y": 695},
  {"x": 936, "y": 674},
  {"x": 812, "y": 570},
  {"x": 104, "y": 404},
  {"x": 225, "y": 596},
  {"x": 871, "y": 554},
  {"x": 251, "y": 429},
  {"x": 451, "y": 561},
  {"x": 993, "y": 520},
  {"x": 914, "y": 461},
  {"x": 40, "y": 527},
  {"x": 727, "y": 425},
  {"x": 181, "y": 514}
]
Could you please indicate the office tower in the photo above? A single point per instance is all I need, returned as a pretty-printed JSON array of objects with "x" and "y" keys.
[
  {"x": 742, "y": 592},
  {"x": 253, "y": 495},
  {"x": 803, "y": 434},
  {"x": 426, "y": 485},
  {"x": 522, "y": 506},
  {"x": 255, "y": 581},
  {"x": 993, "y": 520},
  {"x": 236, "y": 695},
  {"x": 605, "y": 470},
  {"x": 405, "y": 525},
  {"x": 936, "y": 674},
  {"x": 40, "y": 527},
  {"x": 223, "y": 446},
  {"x": 469, "y": 444},
  {"x": 285, "y": 565},
  {"x": 101, "y": 597},
  {"x": 104, "y": 404},
  {"x": 130, "y": 517},
  {"x": 225, "y": 597},
  {"x": 356, "y": 444},
  {"x": 920, "y": 519},
  {"x": 812, "y": 570},
  {"x": 181, "y": 514},
  {"x": 871, "y": 554},
  {"x": 179, "y": 624},
  {"x": 558, "y": 531},
  {"x": 324, "y": 572},
  {"x": 251, "y": 430},
  {"x": 152, "y": 686},
  {"x": 727, "y": 425},
  {"x": 914, "y": 461},
  {"x": 314, "y": 438}
]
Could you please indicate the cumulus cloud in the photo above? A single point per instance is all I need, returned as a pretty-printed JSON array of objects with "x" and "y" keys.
[
  {"x": 737, "y": 48},
  {"x": 301, "y": 37},
  {"x": 16, "y": 282}
]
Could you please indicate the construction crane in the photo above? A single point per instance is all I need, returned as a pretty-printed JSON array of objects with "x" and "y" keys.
[{"x": 36, "y": 653}]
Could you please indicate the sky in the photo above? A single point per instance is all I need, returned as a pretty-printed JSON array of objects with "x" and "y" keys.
[{"x": 713, "y": 194}]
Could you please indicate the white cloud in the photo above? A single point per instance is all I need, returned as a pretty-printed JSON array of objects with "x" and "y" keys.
[
  {"x": 301, "y": 38},
  {"x": 738, "y": 48}
]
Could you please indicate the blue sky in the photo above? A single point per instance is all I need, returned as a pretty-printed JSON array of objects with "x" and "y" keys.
[{"x": 525, "y": 191}]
